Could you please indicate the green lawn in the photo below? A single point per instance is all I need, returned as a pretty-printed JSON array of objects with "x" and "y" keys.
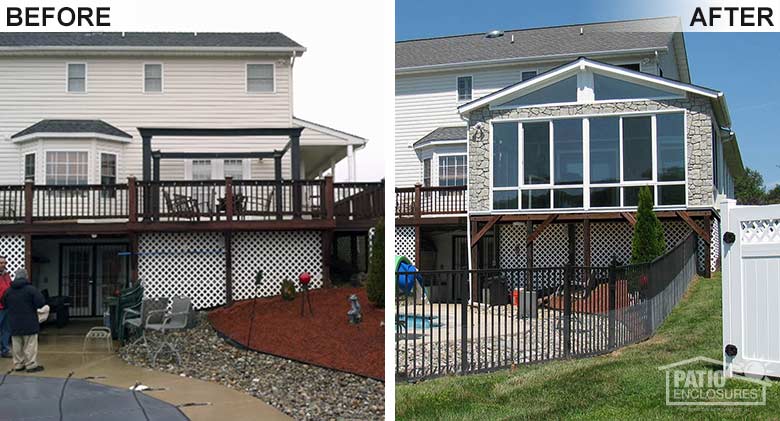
[{"x": 622, "y": 385}]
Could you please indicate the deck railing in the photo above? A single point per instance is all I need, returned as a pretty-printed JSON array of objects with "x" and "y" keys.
[
  {"x": 202, "y": 200},
  {"x": 359, "y": 200},
  {"x": 440, "y": 200}
]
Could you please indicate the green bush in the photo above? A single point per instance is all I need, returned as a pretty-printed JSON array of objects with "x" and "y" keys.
[
  {"x": 648, "y": 242},
  {"x": 375, "y": 284},
  {"x": 288, "y": 290}
]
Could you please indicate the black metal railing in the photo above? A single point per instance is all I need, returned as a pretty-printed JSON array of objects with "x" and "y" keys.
[{"x": 460, "y": 322}]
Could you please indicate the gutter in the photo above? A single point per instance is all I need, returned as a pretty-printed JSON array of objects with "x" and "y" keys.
[{"x": 517, "y": 60}]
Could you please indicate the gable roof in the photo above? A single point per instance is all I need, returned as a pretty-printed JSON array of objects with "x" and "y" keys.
[
  {"x": 347, "y": 137},
  {"x": 643, "y": 35},
  {"x": 195, "y": 41},
  {"x": 443, "y": 134},
  {"x": 717, "y": 98},
  {"x": 50, "y": 128}
]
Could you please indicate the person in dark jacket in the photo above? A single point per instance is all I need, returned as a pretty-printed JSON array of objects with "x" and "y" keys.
[{"x": 22, "y": 302}]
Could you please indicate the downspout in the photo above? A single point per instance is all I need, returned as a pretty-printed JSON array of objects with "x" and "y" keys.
[{"x": 468, "y": 203}]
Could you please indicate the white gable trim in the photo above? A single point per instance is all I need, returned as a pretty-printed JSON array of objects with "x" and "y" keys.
[
  {"x": 80, "y": 135},
  {"x": 348, "y": 138},
  {"x": 582, "y": 64}
]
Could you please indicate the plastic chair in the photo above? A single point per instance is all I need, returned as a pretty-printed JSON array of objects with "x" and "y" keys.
[
  {"x": 137, "y": 319},
  {"x": 175, "y": 319},
  {"x": 99, "y": 333}
]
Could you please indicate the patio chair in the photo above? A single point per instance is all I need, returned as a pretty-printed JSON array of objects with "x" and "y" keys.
[
  {"x": 181, "y": 207},
  {"x": 137, "y": 317},
  {"x": 128, "y": 298},
  {"x": 174, "y": 319}
]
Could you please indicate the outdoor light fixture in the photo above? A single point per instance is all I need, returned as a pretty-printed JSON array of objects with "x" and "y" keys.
[
  {"x": 729, "y": 237},
  {"x": 731, "y": 350}
]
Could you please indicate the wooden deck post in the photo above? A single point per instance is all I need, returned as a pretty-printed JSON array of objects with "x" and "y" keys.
[
  {"x": 327, "y": 252},
  {"x": 279, "y": 186},
  {"x": 28, "y": 254},
  {"x": 28, "y": 202},
  {"x": 417, "y": 245},
  {"x": 132, "y": 200},
  {"x": 529, "y": 249},
  {"x": 133, "y": 258},
  {"x": 586, "y": 250},
  {"x": 328, "y": 197},
  {"x": 474, "y": 263},
  {"x": 229, "y": 205},
  {"x": 572, "y": 243},
  {"x": 417, "y": 201},
  {"x": 229, "y": 267}
]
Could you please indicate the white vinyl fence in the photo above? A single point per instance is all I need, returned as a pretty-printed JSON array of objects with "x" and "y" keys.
[{"x": 751, "y": 288}]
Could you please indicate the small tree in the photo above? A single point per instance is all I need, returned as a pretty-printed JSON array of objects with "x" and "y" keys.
[
  {"x": 648, "y": 242},
  {"x": 375, "y": 284},
  {"x": 749, "y": 188}
]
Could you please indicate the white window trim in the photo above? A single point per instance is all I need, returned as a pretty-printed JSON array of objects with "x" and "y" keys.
[
  {"x": 273, "y": 77},
  {"x": 218, "y": 168},
  {"x": 86, "y": 77},
  {"x": 24, "y": 166},
  {"x": 586, "y": 185},
  {"x": 435, "y": 179},
  {"x": 100, "y": 154},
  {"x": 46, "y": 163},
  {"x": 457, "y": 93},
  {"x": 162, "y": 78}
]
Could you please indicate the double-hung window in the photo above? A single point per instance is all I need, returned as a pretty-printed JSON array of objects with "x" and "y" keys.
[
  {"x": 29, "y": 167},
  {"x": 426, "y": 178},
  {"x": 201, "y": 169},
  {"x": 260, "y": 77},
  {"x": 464, "y": 88},
  {"x": 77, "y": 77},
  {"x": 594, "y": 162},
  {"x": 153, "y": 78},
  {"x": 452, "y": 170},
  {"x": 233, "y": 168},
  {"x": 108, "y": 174}
]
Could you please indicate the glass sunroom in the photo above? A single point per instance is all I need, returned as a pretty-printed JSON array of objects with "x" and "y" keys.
[{"x": 588, "y": 135}]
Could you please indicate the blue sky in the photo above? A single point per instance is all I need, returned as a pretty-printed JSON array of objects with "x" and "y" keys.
[{"x": 742, "y": 65}]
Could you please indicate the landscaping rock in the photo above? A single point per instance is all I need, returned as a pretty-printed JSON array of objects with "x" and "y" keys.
[{"x": 299, "y": 390}]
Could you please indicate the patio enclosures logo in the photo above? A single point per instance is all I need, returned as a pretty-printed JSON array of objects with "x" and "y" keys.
[{"x": 694, "y": 382}]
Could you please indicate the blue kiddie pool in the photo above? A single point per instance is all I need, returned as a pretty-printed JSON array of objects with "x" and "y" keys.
[{"x": 405, "y": 281}]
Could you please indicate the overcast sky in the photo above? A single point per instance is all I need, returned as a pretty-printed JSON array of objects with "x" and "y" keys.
[{"x": 344, "y": 80}]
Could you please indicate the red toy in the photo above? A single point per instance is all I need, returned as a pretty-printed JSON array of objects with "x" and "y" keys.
[{"x": 304, "y": 278}]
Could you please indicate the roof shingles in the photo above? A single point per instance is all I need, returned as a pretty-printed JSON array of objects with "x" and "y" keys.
[
  {"x": 73, "y": 126},
  {"x": 147, "y": 39},
  {"x": 537, "y": 42}
]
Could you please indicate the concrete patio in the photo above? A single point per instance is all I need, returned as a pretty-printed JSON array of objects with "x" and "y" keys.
[{"x": 60, "y": 352}]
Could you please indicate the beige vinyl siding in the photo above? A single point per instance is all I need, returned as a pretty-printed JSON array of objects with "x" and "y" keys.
[
  {"x": 426, "y": 101},
  {"x": 198, "y": 92}
]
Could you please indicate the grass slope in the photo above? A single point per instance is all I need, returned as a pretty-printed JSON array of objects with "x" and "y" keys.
[{"x": 623, "y": 385}]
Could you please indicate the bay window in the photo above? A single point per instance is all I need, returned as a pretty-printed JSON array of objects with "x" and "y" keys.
[
  {"x": 584, "y": 163},
  {"x": 452, "y": 170},
  {"x": 66, "y": 168}
]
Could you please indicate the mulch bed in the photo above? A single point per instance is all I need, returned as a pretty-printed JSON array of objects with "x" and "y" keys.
[{"x": 326, "y": 339}]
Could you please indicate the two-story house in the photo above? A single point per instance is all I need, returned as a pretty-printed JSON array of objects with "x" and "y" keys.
[
  {"x": 173, "y": 158},
  {"x": 548, "y": 127}
]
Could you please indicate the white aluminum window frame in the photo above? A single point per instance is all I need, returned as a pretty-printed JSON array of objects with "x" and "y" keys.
[
  {"x": 217, "y": 168},
  {"x": 439, "y": 157},
  {"x": 586, "y": 93},
  {"x": 67, "y": 77},
  {"x": 457, "y": 88},
  {"x": 586, "y": 184},
  {"x": 46, "y": 164},
  {"x": 273, "y": 77},
  {"x": 162, "y": 77},
  {"x": 116, "y": 165},
  {"x": 35, "y": 167}
]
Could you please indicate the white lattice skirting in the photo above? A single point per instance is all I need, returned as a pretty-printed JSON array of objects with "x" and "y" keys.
[
  {"x": 551, "y": 248},
  {"x": 279, "y": 255},
  {"x": 193, "y": 264},
  {"x": 404, "y": 242},
  {"x": 12, "y": 247}
]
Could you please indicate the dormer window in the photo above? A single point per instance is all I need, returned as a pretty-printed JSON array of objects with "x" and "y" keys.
[
  {"x": 77, "y": 77},
  {"x": 464, "y": 88}
]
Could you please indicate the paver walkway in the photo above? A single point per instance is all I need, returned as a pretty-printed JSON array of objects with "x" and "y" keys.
[{"x": 60, "y": 352}]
